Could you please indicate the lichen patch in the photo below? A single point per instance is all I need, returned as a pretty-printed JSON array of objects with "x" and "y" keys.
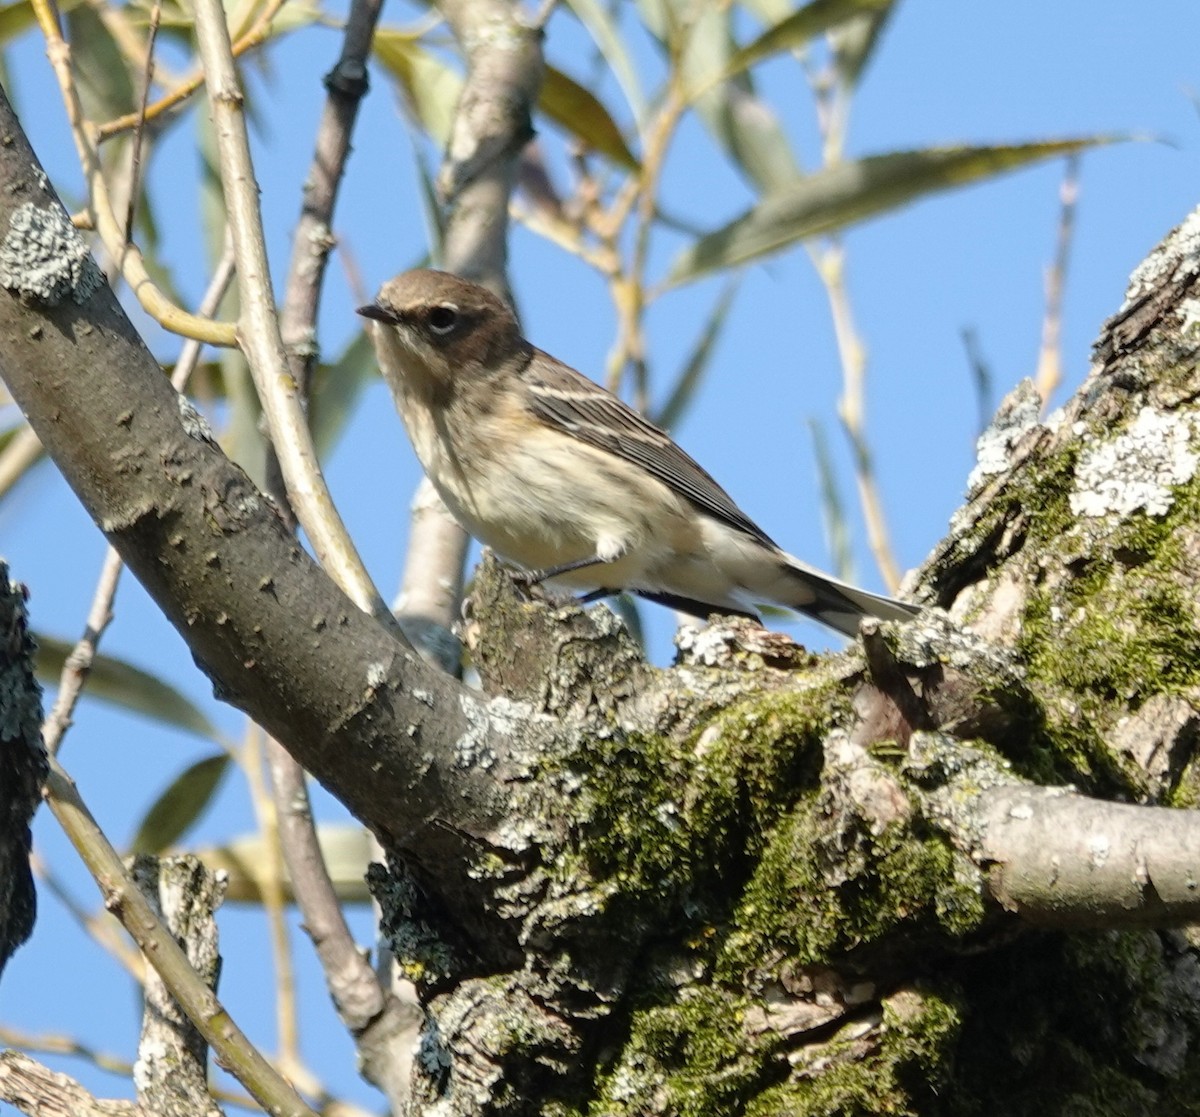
[{"x": 44, "y": 259}]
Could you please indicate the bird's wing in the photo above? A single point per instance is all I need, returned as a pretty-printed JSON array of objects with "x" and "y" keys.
[{"x": 563, "y": 398}]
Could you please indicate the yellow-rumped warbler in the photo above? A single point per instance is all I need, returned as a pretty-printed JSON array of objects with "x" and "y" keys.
[{"x": 557, "y": 474}]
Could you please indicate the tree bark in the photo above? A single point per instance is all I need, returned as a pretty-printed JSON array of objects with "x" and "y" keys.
[{"x": 22, "y": 767}]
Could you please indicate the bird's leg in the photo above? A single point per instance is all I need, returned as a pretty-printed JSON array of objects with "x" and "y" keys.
[
  {"x": 536, "y": 577},
  {"x": 595, "y": 595}
]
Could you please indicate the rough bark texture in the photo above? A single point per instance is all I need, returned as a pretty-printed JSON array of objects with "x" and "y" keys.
[
  {"x": 171, "y": 1073},
  {"x": 22, "y": 767},
  {"x": 757, "y": 883},
  {"x": 37, "y": 1091}
]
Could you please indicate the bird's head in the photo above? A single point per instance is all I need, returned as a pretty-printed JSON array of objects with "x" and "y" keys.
[{"x": 434, "y": 328}]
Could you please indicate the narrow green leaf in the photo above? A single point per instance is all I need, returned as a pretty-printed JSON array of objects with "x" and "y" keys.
[
  {"x": 833, "y": 508},
  {"x": 430, "y": 87},
  {"x": 981, "y": 377},
  {"x": 346, "y": 848},
  {"x": 603, "y": 30},
  {"x": 659, "y": 19},
  {"x": 105, "y": 85},
  {"x": 769, "y": 12},
  {"x": 180, "y": 805},
  {"x": 697, "y": 362},
  {"x": 854, "y": 43},
  {"x": 335, "y": 390},
  {"x": 15, "y": 19},
  {"x": 120, "y": 683},
  {"x": 847, "y": 193},
  {"x": 799, "y": 28},
  {"x": 744, "y": 125},
  {"x": 431, "y": 206},
  {"x": 574, "y": 108}
]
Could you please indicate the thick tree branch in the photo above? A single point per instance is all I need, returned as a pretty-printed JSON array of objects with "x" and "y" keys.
[{"x": 1062, "y": 860}]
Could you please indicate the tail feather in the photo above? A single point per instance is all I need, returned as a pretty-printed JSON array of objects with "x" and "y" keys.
[{"x": 841, "y": 605}]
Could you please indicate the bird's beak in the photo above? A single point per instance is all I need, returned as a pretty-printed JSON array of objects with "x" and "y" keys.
[{"x": 378, "y": 313}]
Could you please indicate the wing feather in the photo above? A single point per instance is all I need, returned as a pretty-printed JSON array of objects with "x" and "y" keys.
[{"x": 563, "y": 398}]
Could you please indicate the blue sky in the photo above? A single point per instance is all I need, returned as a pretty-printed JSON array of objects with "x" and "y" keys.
[{"x": 974, "y": 259}]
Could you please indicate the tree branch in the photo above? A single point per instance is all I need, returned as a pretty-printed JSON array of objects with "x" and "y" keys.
[
  {"x": 40, "y": 1092},
  {"x": 172, "y": 1068}
]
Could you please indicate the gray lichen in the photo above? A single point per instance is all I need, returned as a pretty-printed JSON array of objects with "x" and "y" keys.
[
  {"x": 1137, "y": 469},
  {"x": 44, "y": 259}
]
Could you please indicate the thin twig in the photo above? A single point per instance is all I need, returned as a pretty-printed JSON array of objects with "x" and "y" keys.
[
  {"x": 78, "y": 664},
  {"x": 345, "y": 84},
  {"x": 122, "y": 898},
  {"x": 100, "y": 927},
  {"x": 18, "y": 457},
  {"x": 1049, "y": 367},
  {"x": 51, "y": 1044},
  {"x": 268, "y": 879},
  {"x": 259, "y": 325},
  {"x": 831, "y": 268},
  {"x": 254, "y": 37},
  {"x": 135, "y": 162},
  {"x": 832, "y": 99},
  {"x": 100, "y": 205},
  {"x": 630, "y": 290}
]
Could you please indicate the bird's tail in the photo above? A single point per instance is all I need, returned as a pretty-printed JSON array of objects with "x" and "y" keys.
[{"x": 839, "y": 604}]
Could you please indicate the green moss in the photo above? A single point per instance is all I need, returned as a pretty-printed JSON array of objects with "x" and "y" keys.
[
  {"x": 910, "y": 1063},
  {"x": 654, "y": 817},
  {"x": 812, "y": 902},
  {"x": 693, "y": 1058},
  {"x": 1116, "y": 633}
]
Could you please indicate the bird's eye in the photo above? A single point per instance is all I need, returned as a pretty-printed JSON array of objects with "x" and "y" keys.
[{"x": 443, "y": 319}]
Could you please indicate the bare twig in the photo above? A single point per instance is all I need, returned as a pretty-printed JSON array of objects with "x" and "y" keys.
[
  {"x": 53, "y": 1044},
  {"x": 259, "y": 326},
  {"x": 99, "y": 926},
  {"x": 254, "y": 37},
  {"x": 268, "y": 880},
  {"x": 100, "y": 205},
  {"x": 78, "y": 664},
  {"x": 346, "y": 84},
  {"x": 833, "y": 97},
  {"x": 830, "y": 263},
  {"x": 18, "y": 457},
  {"x": 123, "y": 899},
  {"x": 384, "y": 1027},
  {"x": 135, "y": 163},
  {"x": 1049, "y": 367}
]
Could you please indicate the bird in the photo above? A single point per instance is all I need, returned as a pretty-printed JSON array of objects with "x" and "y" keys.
[{"x": 560, "y": 476}]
